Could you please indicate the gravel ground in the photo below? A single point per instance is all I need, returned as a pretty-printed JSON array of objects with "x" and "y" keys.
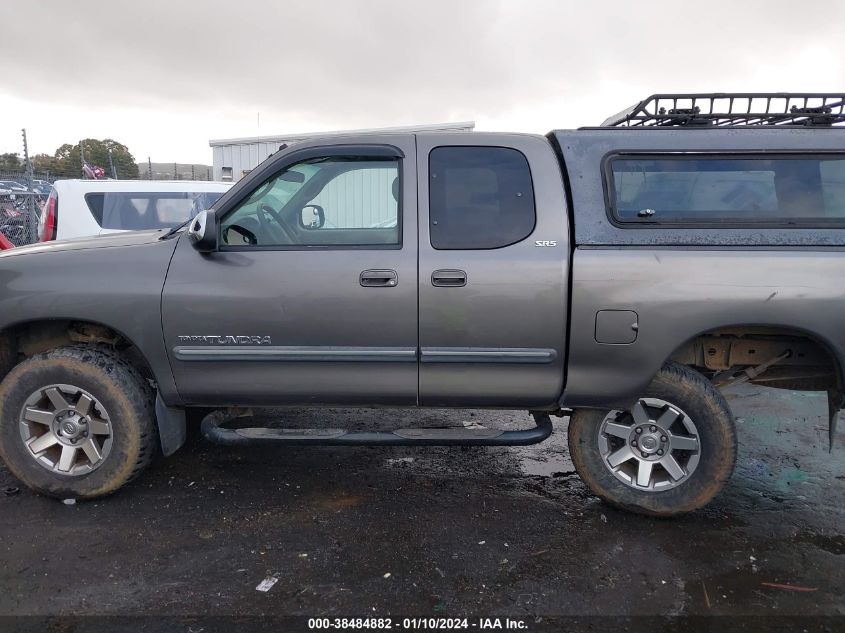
[{"x": 441, "y": 532}]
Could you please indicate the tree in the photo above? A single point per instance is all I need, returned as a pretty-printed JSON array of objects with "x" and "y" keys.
[
  {"x": 10, "y": 162},
  {"x": 67, "y": 162},
  {"x": 43, "y": 163}
]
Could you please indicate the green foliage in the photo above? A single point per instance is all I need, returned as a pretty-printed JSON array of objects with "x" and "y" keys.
[
  {"x": 43, "y": 163},
  {"x": 66, "y": 162},
  {"x": 10, "y": 162}
]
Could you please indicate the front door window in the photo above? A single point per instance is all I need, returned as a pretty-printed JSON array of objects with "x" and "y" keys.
[{"x": 328, "y": 201}]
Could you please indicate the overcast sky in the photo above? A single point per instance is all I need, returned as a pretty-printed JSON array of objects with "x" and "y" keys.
[{"x": 165, "y": 76}]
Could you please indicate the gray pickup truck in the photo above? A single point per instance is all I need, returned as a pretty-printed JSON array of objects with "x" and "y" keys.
[{"x": 619, "y": 275}]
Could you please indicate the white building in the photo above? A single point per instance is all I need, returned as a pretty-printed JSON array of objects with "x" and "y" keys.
[{"x": 234, "y": 157}]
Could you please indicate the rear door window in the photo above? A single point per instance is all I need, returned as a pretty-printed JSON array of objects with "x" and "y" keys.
[
  {"x": 479, "y": 197},
  {"x": 147, "y": 210},
  {"x": 698, "y": 189}
]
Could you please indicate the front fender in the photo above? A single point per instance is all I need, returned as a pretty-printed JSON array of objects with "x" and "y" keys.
[{"x": 115, "y": 283}]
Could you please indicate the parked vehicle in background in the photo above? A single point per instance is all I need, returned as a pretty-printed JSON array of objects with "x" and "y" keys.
[
  {"x": 19, "y": 217},
  {"x": 620, "y": 275},
  {"x": 41, "y": 188},
  {"x": 12, "y": 226},
  {"x": 12, "y": 185},
  {"x": 80, "y": 208}
]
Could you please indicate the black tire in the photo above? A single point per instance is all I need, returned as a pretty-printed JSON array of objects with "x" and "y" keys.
[
  {"x": 705, "y": 405},
  {"x": 119, "y": 389}
]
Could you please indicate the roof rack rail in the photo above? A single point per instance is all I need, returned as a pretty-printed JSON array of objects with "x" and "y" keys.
[{"x": 732, "y": 109}]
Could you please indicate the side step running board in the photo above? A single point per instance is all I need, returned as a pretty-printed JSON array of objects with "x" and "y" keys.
[{"x": 214, "y": 431}]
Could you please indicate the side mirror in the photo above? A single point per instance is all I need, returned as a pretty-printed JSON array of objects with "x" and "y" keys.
[
  {"x": 202, "y": 231},
  {"x": 312, "y": 217}
]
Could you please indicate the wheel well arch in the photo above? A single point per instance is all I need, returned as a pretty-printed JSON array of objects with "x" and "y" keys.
[
  {"x": 23, "y": 339},
  {"x": 815, "y": 364}
]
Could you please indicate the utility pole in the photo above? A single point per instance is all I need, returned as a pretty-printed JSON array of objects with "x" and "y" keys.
[
  {"x": 26, "y": 164},
  {"x": 175, "y": 175},
  {"x": 32, "y": 217},
  {"x": 150, "y": 167},
  {"x": 111, "y": 164},
  {"x": 193, "y": 177}
]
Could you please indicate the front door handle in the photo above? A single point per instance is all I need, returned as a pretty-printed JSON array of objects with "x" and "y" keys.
[
  {"x": 448, "y": 278},
  {"x": 379, "y": 278}
]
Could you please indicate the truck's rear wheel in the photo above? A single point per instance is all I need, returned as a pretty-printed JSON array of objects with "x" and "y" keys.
[
  {"x": 76, "y": 422},
  {"x": 670, "y": 454}
]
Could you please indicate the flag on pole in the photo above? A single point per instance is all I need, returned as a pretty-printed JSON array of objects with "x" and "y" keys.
[{"x": 92, "y": 172}]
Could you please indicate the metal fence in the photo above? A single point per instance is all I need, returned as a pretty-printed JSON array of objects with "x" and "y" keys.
[
  {"x": 20, "y": 176},
  {"x": 22, "y": 199}
]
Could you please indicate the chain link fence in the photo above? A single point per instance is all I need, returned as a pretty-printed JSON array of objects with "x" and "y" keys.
[
  {"x": 22, "y": 199},
  {"x": 37, "y": 176}
]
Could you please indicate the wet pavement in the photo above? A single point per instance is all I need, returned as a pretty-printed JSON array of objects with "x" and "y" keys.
[{"x": 439, "y": 531}]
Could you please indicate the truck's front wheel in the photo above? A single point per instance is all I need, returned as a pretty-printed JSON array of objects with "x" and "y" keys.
[
  {"x": 670, "y": 454},
  {"x": 76, "y": 422}
]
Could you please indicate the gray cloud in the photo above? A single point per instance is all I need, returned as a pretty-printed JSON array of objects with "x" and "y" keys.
[{"x": 376, "y": 62}]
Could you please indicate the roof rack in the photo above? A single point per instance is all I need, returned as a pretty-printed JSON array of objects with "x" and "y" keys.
[{"x": 723, "y": 109}]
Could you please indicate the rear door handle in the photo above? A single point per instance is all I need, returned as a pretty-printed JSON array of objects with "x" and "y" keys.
[
  {"x": 379, "y": 278},
  {"x": 449, "y": 278}
]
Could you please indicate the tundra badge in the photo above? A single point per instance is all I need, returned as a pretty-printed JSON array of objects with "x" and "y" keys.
[{"x": 225, "y": 340}]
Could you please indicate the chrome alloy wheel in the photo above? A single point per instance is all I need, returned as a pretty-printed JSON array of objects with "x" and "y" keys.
[
  {"x": 653, "y": 447},
  {"x": 66, "y": 430}
]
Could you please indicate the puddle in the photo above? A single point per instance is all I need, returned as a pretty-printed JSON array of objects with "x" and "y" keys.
[
  {"x": 548, "y": 459},
  {"x": 545, "y": 467}
]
